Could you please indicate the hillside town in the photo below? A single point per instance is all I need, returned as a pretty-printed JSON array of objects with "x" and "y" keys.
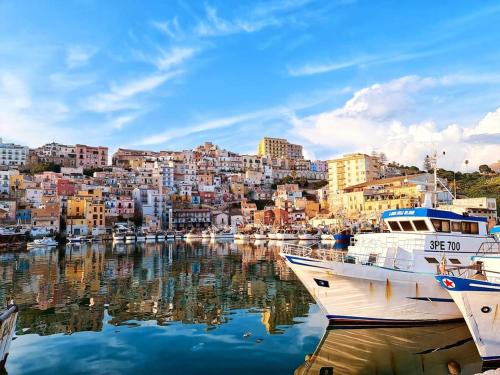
[{"x": 73, "y": 190}]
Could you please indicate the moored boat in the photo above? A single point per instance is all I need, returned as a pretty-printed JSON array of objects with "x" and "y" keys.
[
  {"x": 476, "y": 292},
  {"x": 42, "y": 242},
  {"x": 388, "y": 278}
]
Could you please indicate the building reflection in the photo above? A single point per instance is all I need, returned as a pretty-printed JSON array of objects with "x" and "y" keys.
[
  {"x": 67, "y": 290},
  {"x": 433, "y": 349}
]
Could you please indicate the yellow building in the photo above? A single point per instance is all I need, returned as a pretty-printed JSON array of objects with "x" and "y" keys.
[
  {"x": 279, "y": 148},
  {"x": 369, "y": 199},
  {"x": 85, "y": 213},
  {"x": 349, "y": 170}
]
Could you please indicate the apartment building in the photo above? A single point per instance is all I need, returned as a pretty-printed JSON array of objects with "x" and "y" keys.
[
  {"x": 47, "y": 216},
  {"x": 279, "y": 148},
  {"x": 55, "y": 153},
  {"x": 350, "y": 170},
  {"x": 12, "y": 154},
  {"x": 91, "y": 157}
]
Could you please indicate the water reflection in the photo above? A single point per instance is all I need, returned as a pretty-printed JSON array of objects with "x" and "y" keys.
[
  {"x": 67, "y": 290},
  {"x": 437, "y": 349}
]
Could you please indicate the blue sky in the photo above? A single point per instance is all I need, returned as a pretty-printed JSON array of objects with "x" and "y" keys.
[{"x": 336, "y": 76}]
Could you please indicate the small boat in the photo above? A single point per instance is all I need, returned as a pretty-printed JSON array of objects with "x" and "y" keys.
[
  {"x": 476, "y": 292},
  {"x": 309, "y": 235},
  {"x": 260, "y": 235},
  {"x": 272, "y": 235},
  {"x": 140, "y": 237},
  {"x": 42, "y": 242},
  {"x": 8, "y": 321},
  {"x": 326, "y": 237},
  {"x": 285, "y": 235},
  {"x": 205, "y": 234},
  {"x": 130, "y": 237},
  {"x": 160, "y": 236},
  {"x": 178, "y": 234},
  {"x": 150, "y": 237},
  {"x": 192, "y": 235},
  {"x": 222, "y": 233},
  {"x": 74, "y": 239}
]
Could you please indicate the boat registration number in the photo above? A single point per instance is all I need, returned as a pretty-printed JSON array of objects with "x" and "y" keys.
[{"x": 445, "y": 245}]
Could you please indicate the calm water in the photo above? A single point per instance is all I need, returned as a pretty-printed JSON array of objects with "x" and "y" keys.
[{"x": 192, "y": 308}]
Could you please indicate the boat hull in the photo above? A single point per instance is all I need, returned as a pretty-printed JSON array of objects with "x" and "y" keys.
[
  {"x": 372, "y": 295},
  {"x": 479, "y": 303}
]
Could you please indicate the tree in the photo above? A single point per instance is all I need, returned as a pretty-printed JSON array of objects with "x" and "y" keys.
[
  {"x": 427, "y": 163},
  {"x": 485, "y": 169},
  {"x": 382, "y": 158}
]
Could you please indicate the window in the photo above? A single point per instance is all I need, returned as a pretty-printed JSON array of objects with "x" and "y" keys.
[
  {"x": 431, "y": 260},
  {"x": 420, "y": 225},
  {"x": 466, "y": 227},
  {"x": 454, "y": 261},
  {"x": 441, "y": 225},
  {"x": 394, "y": 226},
  {"x": 406, "y": 225},
  {"x": 474, "y": 228},
  {"x": 456, "y": 226}
]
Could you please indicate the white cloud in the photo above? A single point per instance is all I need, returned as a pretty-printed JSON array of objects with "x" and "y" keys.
[
  {"x": 169, "y": 28},
  {"x": 78, "y": 56},
  {"x": 122, "y": 96},
  {"x": 173, "y": 57},
  {"x": 371, "y": 120},
  {"x": 214, "y": 25}
]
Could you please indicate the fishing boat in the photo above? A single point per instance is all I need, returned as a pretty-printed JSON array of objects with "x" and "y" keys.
[
  {"x": 42, "y": 242},
  {"x": 286, "y": 235},
  {"x": 75, "y": 239},
  {"x": 389, "y": 277},
  {"x": 193, "y": 234},
  {"x": 476, "y": 291},
  {"x": 8, "y": 321},
  {"x": 418, "y": 350},
  {"x": 309, "y": 235},
  {"x": 130, "y": 237},
  {"x": 224, "y": 233}
]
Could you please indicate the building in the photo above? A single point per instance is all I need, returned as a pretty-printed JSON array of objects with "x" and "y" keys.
[
  {"x": 350, "y": 170},
  {"x": 125, "y": 158},
  {"x": 11, "y": 154},
  {"x": 47, "y": 216},
  {"x": 483, "y": 207},
  {"x": 55, "y": 153},
  {"x": 191, "y": 218},
  {"x": 91, "y": 157},
  {"x": 279, "y": 148}
]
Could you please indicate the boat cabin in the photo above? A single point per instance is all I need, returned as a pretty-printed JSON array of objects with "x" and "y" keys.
[{"x": 427, "y": 220}]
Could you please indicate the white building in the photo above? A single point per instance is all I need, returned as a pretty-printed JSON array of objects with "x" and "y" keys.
[
  {"x": 11, "y": 154},
  {"x": 5, "y": 180}
]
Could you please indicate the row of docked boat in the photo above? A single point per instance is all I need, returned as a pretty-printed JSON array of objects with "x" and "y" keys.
[{"x": 431, "y": 266}]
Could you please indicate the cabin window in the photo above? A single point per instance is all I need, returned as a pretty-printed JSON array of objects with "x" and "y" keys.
[
  {"x": 420, "y": 225},
  {"x": 454, "y": 261},
  {"x": 466, "y": 229},
  {"x": 456, "y": 226},
  {"x": 431, "y": 260},
  {"x": 441, "y": 225},
  {"x": 474, "y": 228},
  {"x": 406, "y": 225},
  {"x": 394, "y": 226}
]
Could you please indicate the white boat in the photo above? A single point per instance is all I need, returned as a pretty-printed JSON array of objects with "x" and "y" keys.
[
  {"x": 389, "y": 277},
  {"x": 42, "y": 242},
  {"x": 327, "y": 237},
  {"x": 261, "y": 235},
  {"x": 193, "y": 235},
  {"x": 286, "y": 235},
  {"x": 150, "y": 237},
  {"x": 272, "y": 235},
  {"x": 130, "y": 237},
  {"x": 118, "y": 237},
  {"x": 222, "y": 234},
  {"x": 75, "y": 239},
  {"x": 309, "y": 235},
  {"x": 160, "y": 236},
  {"x": 205, "y": 234},
  {"x": 476, "y": 292},
  {"x": 8, "y": 320},
  {"x": 140, "y": 237}
]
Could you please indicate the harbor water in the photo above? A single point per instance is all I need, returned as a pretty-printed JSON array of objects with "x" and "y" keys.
[{"x": 197, "y": 307}]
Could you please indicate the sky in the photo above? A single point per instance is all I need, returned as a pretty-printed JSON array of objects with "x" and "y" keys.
[{"x": 337, "y": 76}]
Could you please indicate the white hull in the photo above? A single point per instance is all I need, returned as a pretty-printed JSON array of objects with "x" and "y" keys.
[
  {"x": 308, "y": 237},
  {"x": 222, "y": 236},
  {"x": 479, "y": 303},
  {"x": 326, "y": 237},
  {"x": 371, "y": 294},
  {"x": 272, "y": 236},
  {"x": 258, "y": 236}
]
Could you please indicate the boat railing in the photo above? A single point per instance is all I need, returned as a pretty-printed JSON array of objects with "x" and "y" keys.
[
  {"x": 490, "y": 247},
  {"x": 374, "y": 244},
  {"x": 472, "y": 271},
  {"x": 366, "y": 259}
]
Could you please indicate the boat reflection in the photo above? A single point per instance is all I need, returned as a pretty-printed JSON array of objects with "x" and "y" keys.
[{"x": 435, "y": 349}]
